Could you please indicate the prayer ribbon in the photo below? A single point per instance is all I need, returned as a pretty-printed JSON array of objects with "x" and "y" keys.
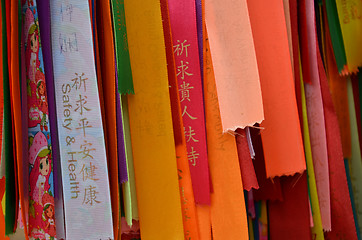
[
  {"x": 236, "y": 75},
  {"x": 10, "y": 183},
  {"x": 246, "y": 165},
  {"x": 107, "y": 66},
  {"x": 227, "y": 200},
  {"x": 342, "y": 221},
  {"x": 45, "y": 35},
  {"x": 281, "y": 125},
  {"x": 350, "y": 19},
  {"x": 81, "y": 140},
  {"x": 355, "y": 161},
  {"x": 40, "y": 157},
  {"x": 125, "y": 83},
  {"x": 316, "y": 120},
  {"x": 153, "y": 145},
  {"x": 191, "y": 230},
  {"x": 336, "y": 34},
  {"x": 317, "y": 229},
  {"x": 289, "y": 219},
  {"x": 184, "y": 34}
]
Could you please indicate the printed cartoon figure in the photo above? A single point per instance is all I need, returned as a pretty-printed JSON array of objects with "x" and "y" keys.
[
  {"x": 32, "y": 45},
  {"x": 32, "y": 63},
  {"x": 48, "y": 215},
  {"x": 42, "y": 100},
  {"x": 39, "y": 158}
]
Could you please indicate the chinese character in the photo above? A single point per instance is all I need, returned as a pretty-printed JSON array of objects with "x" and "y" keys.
[
  {"x": 90, "y": 195},
  {"x": 189, "y": 135},
  {"x": 193, "y": 156},
  {"x": 81, "y": 104},
  {"x": 182, "y": 70},
  {"x": 86, "y": 151},
  {"x": 187, "y": 235},
  {"x": 180, "y": 47},
  {"x": 179, "y": 175},
  {"x": 83, "y": 125},
  {"x": 68, "y": 43},
  {"x": 185, "y": 112},
  {"x": 78, "y": 80},
  {"x": 185, "y": 91},
  {"x": 67, "y": 10},
  {"x": 89, "y": 172}
]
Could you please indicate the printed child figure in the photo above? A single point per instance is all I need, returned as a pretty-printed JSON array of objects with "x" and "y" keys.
[
  {"x": 32, "y": 64},
  {"x": 40, "y": 162},
  {"x": 42, "y": 101},
  {"x": 48, "y": 215},
  {"x": 32, "y": 44},
  {"x": 41, "y": 200}
]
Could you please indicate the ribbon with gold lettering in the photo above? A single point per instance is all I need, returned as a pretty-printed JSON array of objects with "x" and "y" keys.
[
  {"x": 191, "y": 230},
  {"x": 81, "y": 139},
  {"x": 184, "y": 34}
]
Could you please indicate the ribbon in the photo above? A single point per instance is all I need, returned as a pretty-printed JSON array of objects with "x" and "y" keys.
[
  {"x": 172, "y": 77},
  {"x": 281, "y": 124},
  {"x": 336, "y": 34},
  {"x": 204, "y": 219},
  {"x": 357, "y": 107},
  {"x": 349, "y": 15},
  {"x": 184, "y": 33},
  {"x": 45, "y": 35},
  {"x": 40, "y": 157},
  {"x": 81, "y": 140},
  {"x": 317, "y": 229},
  {"x": 122, "y": 162},
  {"x": 246, "y": 165},
  {"x": 191, "y": 230},
  {"x": 341, "y": 211},
  {"x": 107, "y": 66},
  {"x": 269, "y": 189},
  {"x": 293, "y": 6},
  {"x": 236, "y": 75},
  {"x": 355, "y": 161},
  {"x": 153, "y": 145},
  {"x": 125, "y": 83},
  {"x": 10, "y": 184},
  {"x": 227, "y": 200},
  {"x": 200, "y": 21},
  {"x": 316, "y": 121},
  {"x": 129, "y": 187},
  {"x": 289, "y": 219},
  {"x": 338, "y": 89}
]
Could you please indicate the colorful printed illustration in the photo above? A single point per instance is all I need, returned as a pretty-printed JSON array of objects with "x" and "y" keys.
[
  {"x": 48, "y": 214},
  {"x": 41, "y": 165},
  {"x": 41, "y": 195}
]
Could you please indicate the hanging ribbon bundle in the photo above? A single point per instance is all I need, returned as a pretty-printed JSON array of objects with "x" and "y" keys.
[{"x": 195, "y": 119}]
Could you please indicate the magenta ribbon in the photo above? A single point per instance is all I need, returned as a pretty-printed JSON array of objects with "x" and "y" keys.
[{"x": 186, "y": 52}]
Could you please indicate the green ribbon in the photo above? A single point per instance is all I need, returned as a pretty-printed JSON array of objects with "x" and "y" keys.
[
  {"x": 124, "y": 72},
  {"x": 336, "y": 34}
]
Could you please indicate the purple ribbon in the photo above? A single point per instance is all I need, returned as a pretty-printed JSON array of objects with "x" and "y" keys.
[
  {"x": 44, "y": 25},
  {"x": 200, "y": 35},
  {"x": 122, "y": 163}
]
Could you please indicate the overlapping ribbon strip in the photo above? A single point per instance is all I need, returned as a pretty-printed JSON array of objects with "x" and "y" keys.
[
  {"x": 229, "y": 32},
  {"x": 81, "y": 140},
  {"x": 152, "y": 135},
  {"x": 184, "y": 34}
]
